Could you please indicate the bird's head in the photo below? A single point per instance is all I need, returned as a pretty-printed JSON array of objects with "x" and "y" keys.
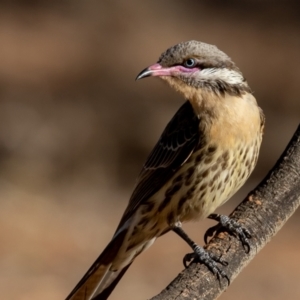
[{"x": 191, "y": 67}]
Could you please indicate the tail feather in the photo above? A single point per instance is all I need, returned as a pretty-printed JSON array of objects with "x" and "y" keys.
[
  {"x": 99, "y": 277},
  {"x": 104, "y": 294}
]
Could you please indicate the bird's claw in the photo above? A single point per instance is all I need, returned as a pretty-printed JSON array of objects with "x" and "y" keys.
[
  {"x": 232, "y": 227},
  {"x": 208, "y": 259},
  {"x": 211, "y": 231},
  {"x": 187, "y": 259}
]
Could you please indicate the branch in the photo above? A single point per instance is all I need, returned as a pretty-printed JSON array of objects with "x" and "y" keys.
[{"x": 264, "y": 211}]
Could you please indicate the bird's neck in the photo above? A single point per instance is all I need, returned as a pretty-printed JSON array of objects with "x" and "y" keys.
[
  {"x": 227, "y": 113},
  {"x": 216, "y": 104},
  {"x": 208, "y": 94}
]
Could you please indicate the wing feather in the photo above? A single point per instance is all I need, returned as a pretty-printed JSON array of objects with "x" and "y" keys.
[{"x": 176, "y": 144}]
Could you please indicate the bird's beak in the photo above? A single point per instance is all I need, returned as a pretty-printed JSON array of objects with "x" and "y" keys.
[{"x": 154, "y": 70}]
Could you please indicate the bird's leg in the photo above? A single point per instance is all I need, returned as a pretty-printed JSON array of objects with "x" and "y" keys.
[
  {"x": 201, "y": 255},
  {"x": 232, "y": 226}
]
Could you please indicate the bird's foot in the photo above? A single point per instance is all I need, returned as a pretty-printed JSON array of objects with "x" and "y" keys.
[
  {"x": 211, "y": 231},
  {"x": 232, "y": 226},
  {"x": 208, "y": 259},
  {"x": 201, "y": 255}
]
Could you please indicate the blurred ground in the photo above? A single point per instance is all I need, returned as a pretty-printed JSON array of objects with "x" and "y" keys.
[{"x": 75, "y": 129}]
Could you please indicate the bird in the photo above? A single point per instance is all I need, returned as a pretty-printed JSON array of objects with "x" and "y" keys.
[{"x": 204, "y": 155}]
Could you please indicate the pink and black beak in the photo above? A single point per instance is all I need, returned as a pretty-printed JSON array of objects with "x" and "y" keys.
[
  {"x": 154, "y": 70},
  {"x": 158, "y": 70}
]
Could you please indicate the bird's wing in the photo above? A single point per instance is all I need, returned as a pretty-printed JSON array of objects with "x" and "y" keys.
[{"x": 174, "y": 147}]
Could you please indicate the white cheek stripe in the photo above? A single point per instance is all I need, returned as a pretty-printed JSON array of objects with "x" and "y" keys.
[{"x": 226, "y": 75}]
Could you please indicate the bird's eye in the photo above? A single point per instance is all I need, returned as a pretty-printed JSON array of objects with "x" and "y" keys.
[{"x": 189, "y": 63}]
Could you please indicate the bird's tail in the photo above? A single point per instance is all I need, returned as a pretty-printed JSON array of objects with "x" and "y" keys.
[
  {"x": 100, "y": 280},
  {"x": 114, "y": 278}
]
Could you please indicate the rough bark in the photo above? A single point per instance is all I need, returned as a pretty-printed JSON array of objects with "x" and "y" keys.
[{"x": 264, "y": 211}]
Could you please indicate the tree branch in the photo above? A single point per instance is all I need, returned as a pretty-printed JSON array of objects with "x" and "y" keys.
[{"x": 263, "y": 212}]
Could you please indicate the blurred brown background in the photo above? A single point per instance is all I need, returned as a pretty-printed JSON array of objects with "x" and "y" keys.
[{"x": 76, "y": 129}]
